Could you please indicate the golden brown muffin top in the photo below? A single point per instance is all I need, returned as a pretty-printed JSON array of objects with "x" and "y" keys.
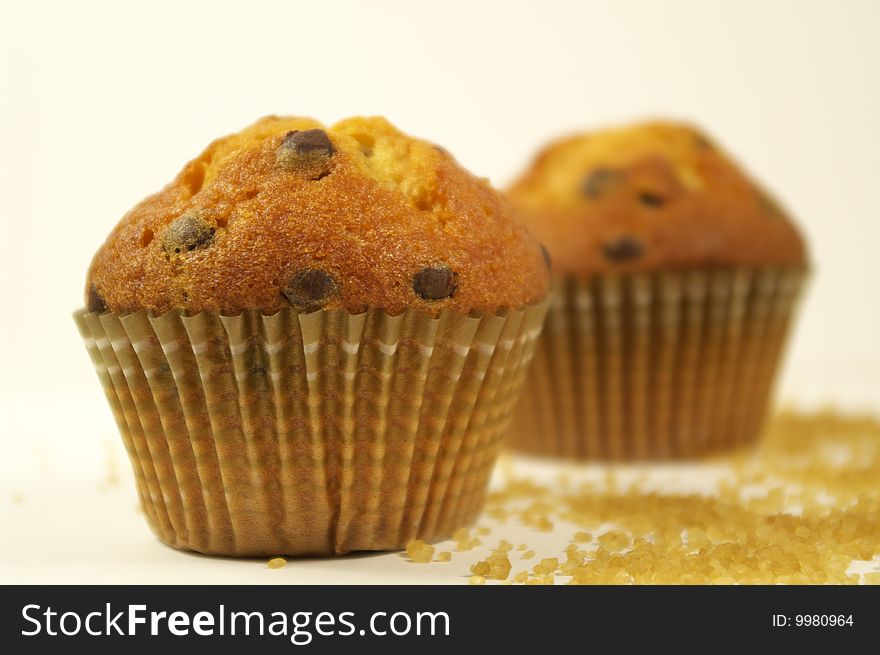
[
  {"x": 289, "y": 213},
  {"x": 656, "y": 195}
]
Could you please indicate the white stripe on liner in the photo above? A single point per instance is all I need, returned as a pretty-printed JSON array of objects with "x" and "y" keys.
[
  {"x": 118, "y": 344},
  {"x": 387, "y": 349},
  {"x": 239, "y": 348},
  {"x": 102, "y": 342},
  {"x": 351, "y": 347},
  {"x": 485, "y": 348},
  {"x": 142, "y": 345},
  {"x": 273, "y": 348},
  {"x": 170, "y": 347},
  {"x": 583, "y": 300}
]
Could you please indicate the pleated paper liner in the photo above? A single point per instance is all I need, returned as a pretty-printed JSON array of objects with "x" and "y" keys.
[
  {"x": 656, "y": 366},
  {"x": 310, "y": 433}
]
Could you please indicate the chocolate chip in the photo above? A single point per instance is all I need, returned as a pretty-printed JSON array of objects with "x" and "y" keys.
[
  {"x": 187, "y": 233},
  {"x": 308, "y": 141},
  {"x": 597, "y": 183},
  {"x": 650, "y": 199},
  {"x": 546, "y": 254},
  {"x": 308, "y": 151},
  {"x": 309, "y": 288},
  {"x": 623, "y": 249},
  {"x": 434, "y": 282},
  {"x": 94, "y": 301}
]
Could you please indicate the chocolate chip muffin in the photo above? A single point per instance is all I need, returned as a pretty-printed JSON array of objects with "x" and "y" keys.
[
  {"x": 288, "y": 213},
  {"x": 312, "y": 339},
  {"x": 675, "y": 277}
]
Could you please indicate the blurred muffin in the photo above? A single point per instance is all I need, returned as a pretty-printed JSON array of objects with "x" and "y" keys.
[
  {"x": 675, "y": 278},
  {"x": 312, "y": 340}
]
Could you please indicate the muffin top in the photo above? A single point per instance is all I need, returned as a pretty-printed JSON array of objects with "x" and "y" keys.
[
  {"x": 657, "y": 195},
  {"x": 290, "y": 213}
]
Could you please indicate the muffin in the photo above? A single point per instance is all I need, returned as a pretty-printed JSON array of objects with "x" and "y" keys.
[
  {"x": 675, "y": 279},
  {"x": 312, "y": 340}
]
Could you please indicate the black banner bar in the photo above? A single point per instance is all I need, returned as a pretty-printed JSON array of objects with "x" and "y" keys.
[{"x": 422, "y": 619}]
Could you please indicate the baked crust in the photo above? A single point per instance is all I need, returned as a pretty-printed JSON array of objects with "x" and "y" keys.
[
  {"x": 653, "y": 196},
  {"x": 287, "y": 212}
]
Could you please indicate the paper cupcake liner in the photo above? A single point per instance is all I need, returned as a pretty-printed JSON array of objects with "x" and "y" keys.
[
  {"x": 652, "y": 366},
  {"x": 310, "y": 434}
]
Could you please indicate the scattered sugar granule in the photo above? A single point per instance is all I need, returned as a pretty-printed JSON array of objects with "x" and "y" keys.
[
  {"x": 546, "y": 565},
  {"x": 419, "y": 552},
  {"x": 495, "y": 567},
  {"x": 464, "y": 541},
  {"x": 481, "y": 568},
  {"x": 814, "y": 515},
  {"x": 469, "y": 544},
  {"x": 614, "y": 540}
]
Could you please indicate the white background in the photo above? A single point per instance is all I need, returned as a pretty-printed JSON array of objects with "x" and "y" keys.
[{"x": 102, "y": 102}]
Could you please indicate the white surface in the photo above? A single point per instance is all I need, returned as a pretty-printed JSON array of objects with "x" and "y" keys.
[
  {"x": 69, "y": 512},
  {"x": 102, "y": 102}
]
